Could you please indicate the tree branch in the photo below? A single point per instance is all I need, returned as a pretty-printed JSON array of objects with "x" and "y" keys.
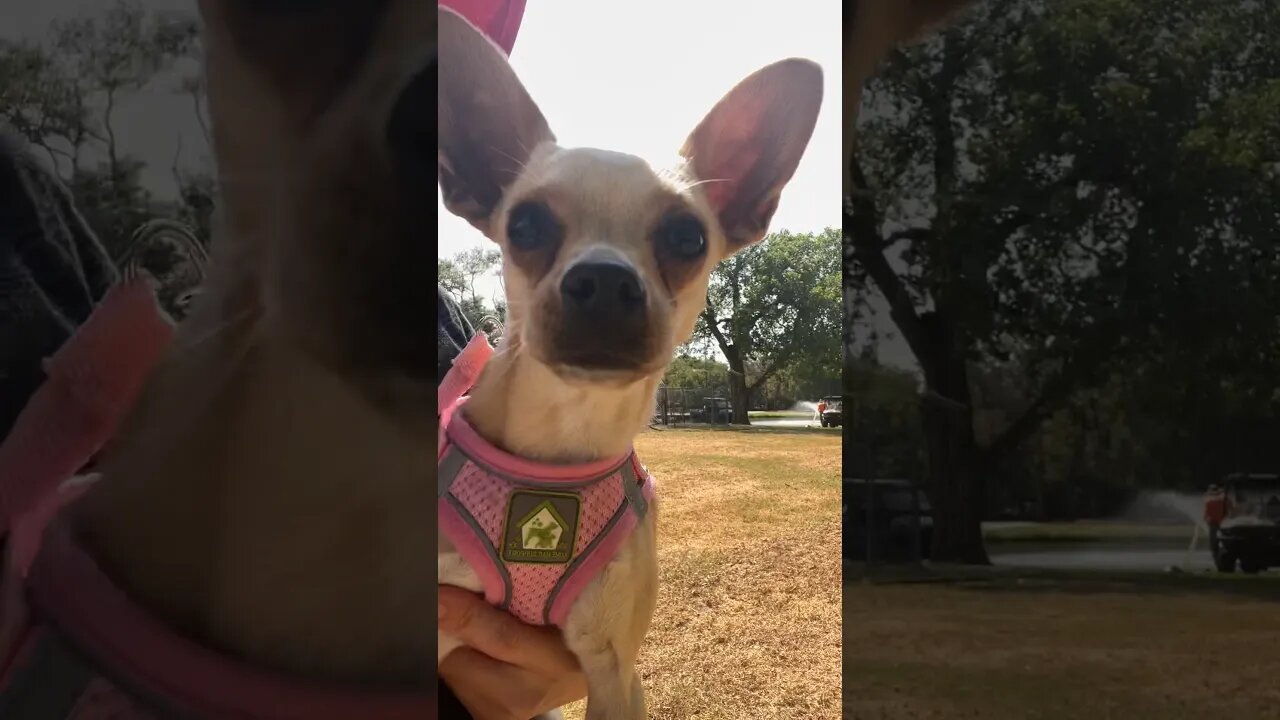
[
  {"x": 709, "y": 315},
  {"x": 113, "y": 160},
  {"x": 53, "y": 154},
  {"x": 173, "y": 167},
  {"x": 204, "y": 124},
  {"x": 860, "y": 234},
  {"x": 1084, "y": 365},
  {"x": 1081, "y": 369},
  {"x": 772, "y": 369}
]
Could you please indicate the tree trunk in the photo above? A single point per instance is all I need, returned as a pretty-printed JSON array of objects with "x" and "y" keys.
[
  {"x": 739, "y": 392},
  {"x": 955, "y": 479},
  {"x": 955, "y": 484}
]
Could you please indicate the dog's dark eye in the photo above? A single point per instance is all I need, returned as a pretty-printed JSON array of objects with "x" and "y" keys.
[
  {"x": 683, "y": 237},
  {"x": 531, "y": 226}
]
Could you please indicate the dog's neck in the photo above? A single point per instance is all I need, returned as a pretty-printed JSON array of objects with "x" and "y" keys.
[
  {"x": 261, "y": 504},
  {"x": 523, "y": 407}
]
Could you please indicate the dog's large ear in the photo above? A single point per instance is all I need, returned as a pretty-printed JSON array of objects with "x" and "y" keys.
[
  {"x": 871, "y": 29},
  {"x": 748, "y": 147},
  {"x": 488, "y": 124}
]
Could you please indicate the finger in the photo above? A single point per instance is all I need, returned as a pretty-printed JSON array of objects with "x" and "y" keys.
[
  {"x": 500, "y": 635},
  {"x": 480, "y": 681},
  {"x": 483, "y": 685}
]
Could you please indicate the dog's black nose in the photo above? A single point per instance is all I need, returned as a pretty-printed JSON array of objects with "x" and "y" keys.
[
  {"x": 603, "y": 290},
  {"x": 603, "y": 323}
]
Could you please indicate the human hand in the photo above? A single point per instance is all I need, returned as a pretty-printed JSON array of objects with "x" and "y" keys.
[{"x": 505, "y": 669}]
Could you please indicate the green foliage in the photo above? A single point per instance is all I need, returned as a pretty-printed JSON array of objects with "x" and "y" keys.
[
  {"x": 1084, "y": 185},
  {"x": 1080, "y": 161},
  {"x": 1084, "y": 193},
  {"x": 881, "y": 409},
  {"x": 776, "y": 305},
  {"x": 687, "y": 371}
]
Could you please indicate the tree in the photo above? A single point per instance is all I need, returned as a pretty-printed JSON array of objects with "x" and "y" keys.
[
  {"x": 472, "y": 264},
  {"x": 114, "y": 54},
  {"x": 197, "y": 189},
  {"x": 773, "y": 305},
  {"x": 687, "y": 371},
  {"x": 458, "y": 275},
  {"x": 1068, "y": 187},
  {"x": 450, "y": 277},
  {"x": 38, "y": 100},
  {"x": 62, "y": 95},
  {"x": 883, "y": 439}
]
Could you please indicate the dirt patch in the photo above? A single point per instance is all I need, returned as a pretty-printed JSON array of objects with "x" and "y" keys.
[
  {"x": 936, "y": 651},
  {"x": 748, "y": 619}
]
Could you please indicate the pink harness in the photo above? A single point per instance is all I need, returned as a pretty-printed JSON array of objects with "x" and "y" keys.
[
  {"x": 72, "y": 644},
  {"x": 535, "y": 534}
]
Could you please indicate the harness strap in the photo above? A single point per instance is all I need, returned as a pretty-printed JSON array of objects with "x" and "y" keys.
[
  {"x": 472, "y": 541},
  {"x": 93, "y": 381},
  {"x": 464, "y": 373}
]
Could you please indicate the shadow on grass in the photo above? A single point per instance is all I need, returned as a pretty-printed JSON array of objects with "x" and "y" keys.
[{"x": 996, "y": 580}]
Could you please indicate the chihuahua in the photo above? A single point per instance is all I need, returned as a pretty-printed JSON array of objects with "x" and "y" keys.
[
  {"x": 606, "y": 264},
  {"x": 269, "y": 494},
  {"x": 252, "y": 542}
]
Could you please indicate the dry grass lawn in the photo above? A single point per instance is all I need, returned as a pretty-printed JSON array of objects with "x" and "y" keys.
[
  {"x": 748, "y": 619},
  {"x": 1061, "y": 651}
]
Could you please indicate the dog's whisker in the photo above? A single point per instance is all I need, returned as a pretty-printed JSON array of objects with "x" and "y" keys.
[
  {"x": 708, "y": 181},
  {"x": 520, "y": 164}
]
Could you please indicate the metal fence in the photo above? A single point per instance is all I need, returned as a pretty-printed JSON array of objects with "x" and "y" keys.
[{"x": 684, "y": 406}]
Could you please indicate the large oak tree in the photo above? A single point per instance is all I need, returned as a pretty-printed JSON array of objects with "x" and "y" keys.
[{"x": 1072, "y": 187}]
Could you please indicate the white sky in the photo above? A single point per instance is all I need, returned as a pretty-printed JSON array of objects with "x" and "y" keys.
[{"x": 637, "y": 78}]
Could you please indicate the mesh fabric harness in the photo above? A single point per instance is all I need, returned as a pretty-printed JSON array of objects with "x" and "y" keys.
[
  {"x": 72, "y": 643},
  {"x": 536, "y": 534}
]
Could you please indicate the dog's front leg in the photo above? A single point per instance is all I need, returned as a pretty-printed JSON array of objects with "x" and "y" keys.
[
  {"x": 607, "y": 625},
  {"x": 451, "y": 569}
]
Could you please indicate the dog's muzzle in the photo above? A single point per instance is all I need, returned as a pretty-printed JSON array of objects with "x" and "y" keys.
[{"x": 604, "y": 318}]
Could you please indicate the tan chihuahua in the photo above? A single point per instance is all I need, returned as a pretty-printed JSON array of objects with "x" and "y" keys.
[
  {"x": 271, "y": 493},
  {"x": 606, "y": 263}
]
